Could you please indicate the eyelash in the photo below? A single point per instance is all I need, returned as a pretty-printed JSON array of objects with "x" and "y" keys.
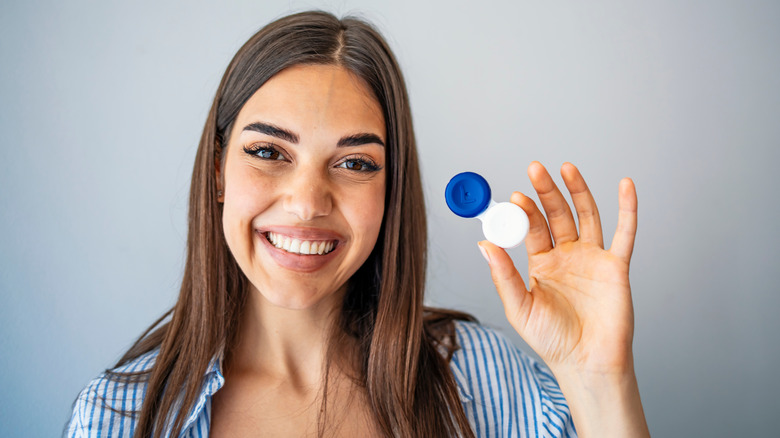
[
  {"x": 257, "y": 148},
  {"x": 368, "y": 165}
]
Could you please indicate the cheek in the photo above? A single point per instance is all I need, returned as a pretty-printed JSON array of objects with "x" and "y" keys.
[
  {"x": 368, "y": 214},
  {"x": 247, "y": 194}
]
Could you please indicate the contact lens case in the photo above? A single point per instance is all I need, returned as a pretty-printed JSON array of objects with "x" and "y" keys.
[{"x": 503, "y": 223}]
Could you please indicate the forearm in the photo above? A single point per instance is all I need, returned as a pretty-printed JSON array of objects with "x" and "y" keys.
[{"x": 604, "y": 405}]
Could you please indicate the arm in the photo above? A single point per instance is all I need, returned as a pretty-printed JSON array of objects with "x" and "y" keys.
[{"x": 577, "y": 314}]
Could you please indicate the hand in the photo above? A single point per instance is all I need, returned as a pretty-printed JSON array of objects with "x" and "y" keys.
[{"x": 577, "y": 314}]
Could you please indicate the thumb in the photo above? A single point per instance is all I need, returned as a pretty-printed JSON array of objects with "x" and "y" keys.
[{"x": 510, "y": 285}]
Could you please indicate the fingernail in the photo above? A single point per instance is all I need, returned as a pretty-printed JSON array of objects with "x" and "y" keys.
[{"x": 484, "y": 253}]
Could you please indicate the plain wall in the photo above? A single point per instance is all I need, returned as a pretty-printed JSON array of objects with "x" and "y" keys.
[{"x": 101, "y": 108}]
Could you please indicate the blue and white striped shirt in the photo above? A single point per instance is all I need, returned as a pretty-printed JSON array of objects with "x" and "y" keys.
[{"x": 504, "y": 393}]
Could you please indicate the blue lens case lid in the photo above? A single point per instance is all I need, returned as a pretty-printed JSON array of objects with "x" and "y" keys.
[{"x": 467, "y": 194}]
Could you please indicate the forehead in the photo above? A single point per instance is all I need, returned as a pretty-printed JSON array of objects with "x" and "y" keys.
[{"x": 311, "y": 99}]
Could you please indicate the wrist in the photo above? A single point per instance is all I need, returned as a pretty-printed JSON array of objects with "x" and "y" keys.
[{"x": 604, "y": 403}]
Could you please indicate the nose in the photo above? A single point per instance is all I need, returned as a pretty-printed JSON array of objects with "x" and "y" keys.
[{"x": 308, "y": 195}]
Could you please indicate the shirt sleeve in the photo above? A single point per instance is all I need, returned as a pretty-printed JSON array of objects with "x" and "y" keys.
[
  {"x": 105, "y": 407},
  {"x": 84, "y": 409},
  {"x": 506, "y": 393}
]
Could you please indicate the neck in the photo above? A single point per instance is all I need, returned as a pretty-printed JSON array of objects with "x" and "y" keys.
[{"x": 285, "y": 344}]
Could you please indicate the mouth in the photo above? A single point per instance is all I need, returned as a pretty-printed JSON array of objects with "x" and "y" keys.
[{"x": 294, "y": 245}]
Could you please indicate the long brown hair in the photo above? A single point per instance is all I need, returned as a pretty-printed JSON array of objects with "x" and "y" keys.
[{"x": 406, "y": 378}]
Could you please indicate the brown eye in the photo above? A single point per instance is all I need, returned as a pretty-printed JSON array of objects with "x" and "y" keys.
[
  {"x": 264, "y": 152},
  {"x": 359, "y": 165},
  {"x": 268, "y": 154},
  {"x": 354, "y": 165}
]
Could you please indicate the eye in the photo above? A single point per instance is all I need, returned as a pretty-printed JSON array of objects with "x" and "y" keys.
[
  {"x": 359, "y": 165},
  {"x": 264, "y": 151},
  {"x": 268, "y": 154}
]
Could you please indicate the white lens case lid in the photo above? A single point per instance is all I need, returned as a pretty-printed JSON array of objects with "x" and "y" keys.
[{"x": 504, "y": 224}]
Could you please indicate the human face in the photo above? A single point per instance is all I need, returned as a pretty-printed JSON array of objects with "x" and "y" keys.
[{"x": 305, "y": 164}]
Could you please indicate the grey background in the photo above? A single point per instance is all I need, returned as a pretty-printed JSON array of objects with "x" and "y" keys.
[{"x": 102, "y": 106}]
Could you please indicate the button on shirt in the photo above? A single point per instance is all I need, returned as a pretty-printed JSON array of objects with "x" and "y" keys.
[{"x": 504, "y": 393}]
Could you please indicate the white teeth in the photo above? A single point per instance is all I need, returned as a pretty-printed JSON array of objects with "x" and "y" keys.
[{"x": 297, "y": 246}]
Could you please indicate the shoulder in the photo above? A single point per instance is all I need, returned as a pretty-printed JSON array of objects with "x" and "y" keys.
[
  {"x": 486, "y": 358},
  {"x": 503, "y": 389},
  {"x": 105, "y": 406},
  {"x": 487, "y": 348}
]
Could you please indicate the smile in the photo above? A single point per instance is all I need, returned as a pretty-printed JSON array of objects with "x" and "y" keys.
[{"x": 298, "y": 246}]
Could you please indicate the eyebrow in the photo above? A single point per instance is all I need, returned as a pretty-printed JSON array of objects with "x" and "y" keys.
[
  {"x": 360, "y": 139},
  {"x": 281, "y": 133},
  {"x": 273, "y": 131}
]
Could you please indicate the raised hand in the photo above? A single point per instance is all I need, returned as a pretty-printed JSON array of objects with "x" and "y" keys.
[{"x": 577, "y": 312}]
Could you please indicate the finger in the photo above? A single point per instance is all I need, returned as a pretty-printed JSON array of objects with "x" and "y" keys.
[
  {"x": 587, "y": 211},
  {"x": 538, "y": 239},
  {"x": 623, "y": 241},
  {"x": 558, "y": 212},
  {"x": 509, "y": 284}
]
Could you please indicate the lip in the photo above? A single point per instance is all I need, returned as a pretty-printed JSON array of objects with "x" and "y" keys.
[{"x": 300, "y": 262}]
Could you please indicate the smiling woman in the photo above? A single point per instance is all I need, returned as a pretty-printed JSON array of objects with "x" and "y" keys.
[
  {"x": 304, "y": 166},
  {"x": 301, "y": 308}
]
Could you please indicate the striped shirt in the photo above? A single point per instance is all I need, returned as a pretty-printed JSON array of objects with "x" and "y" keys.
[{"x": 504, "y": 393}]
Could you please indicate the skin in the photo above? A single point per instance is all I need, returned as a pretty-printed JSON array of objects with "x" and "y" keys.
[
  {"x": 309, "y": 187},
  {"x": 577, "y": 313}
]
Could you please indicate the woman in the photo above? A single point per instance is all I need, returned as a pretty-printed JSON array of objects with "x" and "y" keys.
[{"x": 300, "y": 311}]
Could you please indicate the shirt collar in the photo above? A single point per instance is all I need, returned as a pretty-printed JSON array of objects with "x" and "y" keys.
[
  {"x": 462, "y": 383},
  {"x": 213, "y": 380}
]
